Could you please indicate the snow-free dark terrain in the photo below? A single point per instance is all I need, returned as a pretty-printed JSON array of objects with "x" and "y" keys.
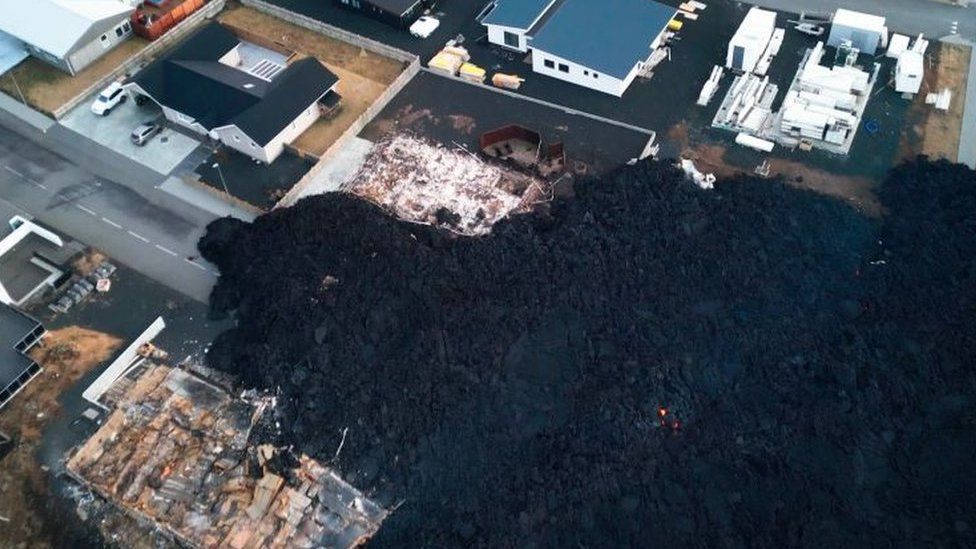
[{"x": 816, "y": 367}]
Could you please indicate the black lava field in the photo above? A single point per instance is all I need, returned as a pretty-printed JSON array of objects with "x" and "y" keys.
[{"x": 642, "y": 364}]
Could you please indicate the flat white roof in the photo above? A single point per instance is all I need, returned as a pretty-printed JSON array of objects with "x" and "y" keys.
[{"x": 858, "y": 20}]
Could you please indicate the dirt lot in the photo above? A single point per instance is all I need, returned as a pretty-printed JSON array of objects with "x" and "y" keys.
[
  {"x": 47, "y": 88},
  {"x": 363, "y": 75},
  {"x": 66, "y": 355},
  {"x": 854, "y": 189},
  {"x": 711, "y": 157},
  {"x": 930, "y": 131}
]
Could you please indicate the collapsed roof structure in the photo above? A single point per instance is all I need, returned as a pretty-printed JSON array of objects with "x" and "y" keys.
[
  {"x": 423, "y": 182},
  {"x": 175, "y": 453}
]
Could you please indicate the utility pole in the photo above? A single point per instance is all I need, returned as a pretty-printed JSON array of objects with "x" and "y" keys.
[
  {"x": 17, "y": 87},
  {"x": 221, "y": 174}
]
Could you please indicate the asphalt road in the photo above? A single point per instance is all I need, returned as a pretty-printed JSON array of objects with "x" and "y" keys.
[
  {"x": 932, "y": 17},
  {"x": 135, "y": 224}
]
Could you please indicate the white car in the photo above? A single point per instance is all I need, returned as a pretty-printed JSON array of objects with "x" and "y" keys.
[
  {"x": 425, "y": 26},
  {"x": 111, "y": 96}
]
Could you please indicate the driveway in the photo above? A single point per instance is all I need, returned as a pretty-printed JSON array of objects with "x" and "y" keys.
[{"x": 162, "y": 154}]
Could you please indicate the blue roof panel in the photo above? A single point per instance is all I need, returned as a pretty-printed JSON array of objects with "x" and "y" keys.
[
  {"x": 519, "y": 14},
  {"x": 609, "y": 36}
]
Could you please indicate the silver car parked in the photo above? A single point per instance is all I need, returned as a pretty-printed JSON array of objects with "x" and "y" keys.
[{"x": 142, "y": 134}]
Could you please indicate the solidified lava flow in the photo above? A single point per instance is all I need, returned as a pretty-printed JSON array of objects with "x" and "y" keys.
[{"x": 644, "y": 364}]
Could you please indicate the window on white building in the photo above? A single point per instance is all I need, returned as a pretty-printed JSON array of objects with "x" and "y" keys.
[
  {"x": 511, "y": 39},
  {"x": 563, "y": 67},
  {"x": 549, "y": 63}
]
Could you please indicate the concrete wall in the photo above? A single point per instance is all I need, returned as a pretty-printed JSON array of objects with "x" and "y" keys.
[
  {"x": 580, "y": 75},
  {"x": 139, "y": 59},
  {"x": 330, "y": 31}
]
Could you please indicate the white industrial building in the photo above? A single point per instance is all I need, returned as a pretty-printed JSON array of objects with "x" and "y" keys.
[
  {"x": 867, "y": 33},
  {"x": 751, "y": 40},
  {"x": 509, "y": 22},
  {"x": 69, "y": 34},
  {"x": 599, "y": 45}
]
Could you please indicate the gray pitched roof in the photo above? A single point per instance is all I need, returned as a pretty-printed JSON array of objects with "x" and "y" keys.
[
  {"x": 609, "y": 36},
  {"x": 519, "y": 14},
  {"x": 58, "y": 26},
  {"x": 191, "y": 80}
]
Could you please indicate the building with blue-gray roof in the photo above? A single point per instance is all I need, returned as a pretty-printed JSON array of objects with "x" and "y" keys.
[
  {"x": 601, "y": 45},
  {"x": 509, "y": 21}
]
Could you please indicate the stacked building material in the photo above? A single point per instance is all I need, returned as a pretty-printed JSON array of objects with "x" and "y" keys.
[
  {"x": 825, "y": 103},
  {"x": 449, "y": 60},
  {"x": 747, "y": 106}
]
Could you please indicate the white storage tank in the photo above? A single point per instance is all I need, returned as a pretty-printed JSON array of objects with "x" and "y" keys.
[{"x": 747, "y": 46}]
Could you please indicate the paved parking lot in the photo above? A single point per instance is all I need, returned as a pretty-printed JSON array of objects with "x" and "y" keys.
[{"x": 162, "y": 154}]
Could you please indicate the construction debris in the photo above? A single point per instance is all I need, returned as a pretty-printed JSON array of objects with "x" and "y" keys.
[
  {"x": 703, "y": 180},
  {"x": 175, "y": 454},
  {"x": 84, "y": 286},
  {"x": 427, "y": 183}
]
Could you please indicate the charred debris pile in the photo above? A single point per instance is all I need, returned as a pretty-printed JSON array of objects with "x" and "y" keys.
[{"x": 645, "y": 363}]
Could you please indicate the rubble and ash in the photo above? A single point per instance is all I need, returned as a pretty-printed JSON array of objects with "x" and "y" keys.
[{"x": 646, "y": 363}]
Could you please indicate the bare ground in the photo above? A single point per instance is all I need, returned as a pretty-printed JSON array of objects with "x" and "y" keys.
[
  {"x": 710, "y": 158},
  {"x": 930, "y": 131},
  {"x": 46, "y": 88},
  {"x": 66, "y": 355}
]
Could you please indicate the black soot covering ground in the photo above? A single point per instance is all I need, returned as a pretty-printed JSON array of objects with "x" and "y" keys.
[{"x": 645, "y": 364}]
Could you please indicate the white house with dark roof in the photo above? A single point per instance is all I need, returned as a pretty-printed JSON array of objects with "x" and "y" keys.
[
  {"x": 600, "y": 45},
  {"x": 237, "y": 93},
  {"x": 69, "y": 34}
]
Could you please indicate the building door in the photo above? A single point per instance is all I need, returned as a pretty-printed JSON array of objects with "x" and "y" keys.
[
  {"x": 511, "y": 40},
  {"x": 738, "y": 53}
]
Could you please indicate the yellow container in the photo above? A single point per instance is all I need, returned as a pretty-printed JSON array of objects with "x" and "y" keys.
[{"x": 675, "y": 25}]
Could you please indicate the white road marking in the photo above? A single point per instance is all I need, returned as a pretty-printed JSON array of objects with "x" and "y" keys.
[
  {"x": 112, "y": 223},
  {"x": 197, "y": 265},
  {"x": 13, "y": 171},
  {"x": 138, "y": 236},
  {"x": 38, "y": 184},
  {"x": 84, "y": 209},
  {"x": 166, "y": 250}
]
